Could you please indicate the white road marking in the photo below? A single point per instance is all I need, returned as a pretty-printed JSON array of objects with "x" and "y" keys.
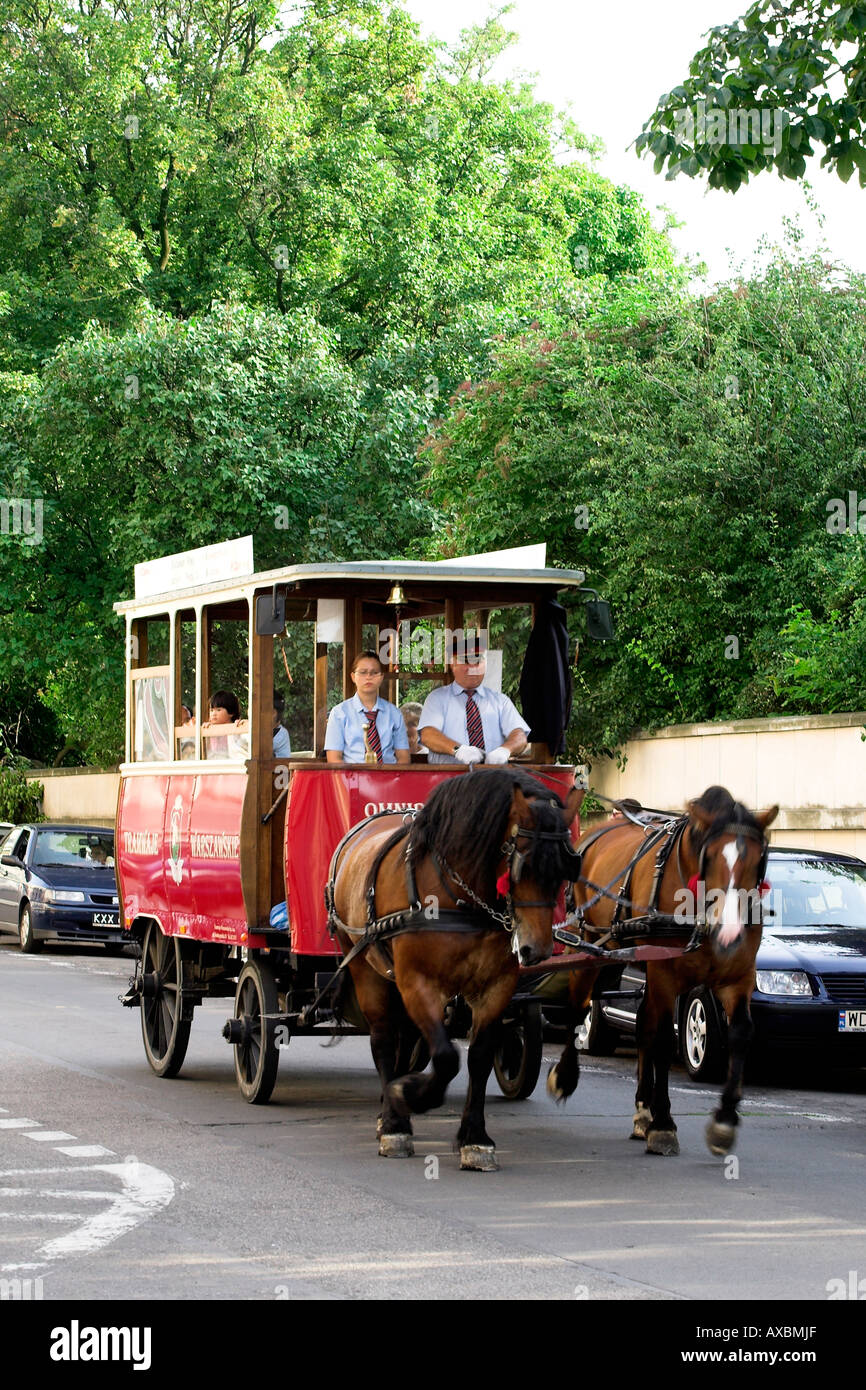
[
  {"x": 143, "y": 1191},
  {"x": 40, "y": 1216},
  {"x": 85, "y": 1151}
]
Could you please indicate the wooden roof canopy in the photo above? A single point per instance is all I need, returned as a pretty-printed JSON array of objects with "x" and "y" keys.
[{"x": 426, "y": 587}]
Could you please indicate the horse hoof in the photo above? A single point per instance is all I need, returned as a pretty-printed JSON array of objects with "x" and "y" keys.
[
  {"x": 396, "y": 1146},
  {"x": 553, "y": 1086},
  {"x": 720, "y": 1138},
  {"x": 641, "y": 1121},
  {"x": 662, "y": 1141},
  {"x": 478, "y": 1158}
]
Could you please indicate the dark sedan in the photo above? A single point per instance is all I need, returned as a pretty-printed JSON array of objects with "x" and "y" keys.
[
  {"x": 811, "y": 975},
  {"x": 57, "y": 884}
]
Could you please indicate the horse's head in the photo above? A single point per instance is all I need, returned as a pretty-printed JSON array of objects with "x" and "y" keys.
[
  {"x": 531, "y": 869},
  {"x": 729, "y": 843},
  {"x": 499, "y": 840}
]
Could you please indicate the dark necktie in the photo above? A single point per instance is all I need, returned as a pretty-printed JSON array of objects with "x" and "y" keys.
[
  {"x": 373, "y": 739},
  {"x": 474, "y": 730}
]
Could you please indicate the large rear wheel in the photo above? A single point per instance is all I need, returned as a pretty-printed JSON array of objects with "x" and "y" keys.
[
  {"x": 257, "y": 1056},
  {"x": 164, "y": 1028}
]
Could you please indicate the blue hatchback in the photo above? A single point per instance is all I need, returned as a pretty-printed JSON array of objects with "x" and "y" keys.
[{"x": 57, "y": 884}]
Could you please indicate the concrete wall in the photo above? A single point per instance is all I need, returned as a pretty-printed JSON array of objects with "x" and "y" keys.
[
  {"x": 81, "y": 795},
  {"x": 813, "y": 766}
]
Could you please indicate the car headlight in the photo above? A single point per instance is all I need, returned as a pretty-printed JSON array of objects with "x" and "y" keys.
[
  {"x": 62, "y": 895},
  {"x": 783, "y": 982}
]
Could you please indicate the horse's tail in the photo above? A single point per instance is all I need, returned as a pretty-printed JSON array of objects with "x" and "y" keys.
[{"x": 341, "y": 1002}]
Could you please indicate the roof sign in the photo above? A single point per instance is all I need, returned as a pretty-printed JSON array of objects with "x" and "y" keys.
[{"x": 210, "y": 564}]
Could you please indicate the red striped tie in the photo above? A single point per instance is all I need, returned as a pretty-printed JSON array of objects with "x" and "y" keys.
[
  {"x": 373, "y": 733},
  {"x": 474, "y": 730}
]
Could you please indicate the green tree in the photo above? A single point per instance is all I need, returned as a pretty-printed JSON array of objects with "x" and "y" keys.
[
  {"x": 684, "y": 453},
  {"x": 242, "y": 267},
  {"x": 801, "y": 67}
]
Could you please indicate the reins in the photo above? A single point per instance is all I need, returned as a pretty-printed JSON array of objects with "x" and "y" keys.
[{"x": 664, "y": 837}]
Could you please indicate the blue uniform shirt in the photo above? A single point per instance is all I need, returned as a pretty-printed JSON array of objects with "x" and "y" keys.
[
  {"x": 282, "y": 743},
  {"x": 445, "y": 710},
  {"x": 346, "y": 725}
]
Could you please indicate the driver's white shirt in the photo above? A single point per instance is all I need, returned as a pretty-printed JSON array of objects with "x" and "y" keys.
[{"x": 445, "y": 710}]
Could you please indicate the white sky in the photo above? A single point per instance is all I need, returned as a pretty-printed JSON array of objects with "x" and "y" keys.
[{"x": 608, "y": 64}]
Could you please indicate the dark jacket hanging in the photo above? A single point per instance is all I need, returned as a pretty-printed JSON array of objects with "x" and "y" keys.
[{"x": 545, "y": 681}]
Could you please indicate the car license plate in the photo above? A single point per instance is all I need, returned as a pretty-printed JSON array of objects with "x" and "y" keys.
[
  {"x": 105, "y": 919},
  {"x": 852, "y": 1020}
]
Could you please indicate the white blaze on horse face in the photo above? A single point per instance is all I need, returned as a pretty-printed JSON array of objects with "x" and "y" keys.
[{"x": 731, "y": 926}]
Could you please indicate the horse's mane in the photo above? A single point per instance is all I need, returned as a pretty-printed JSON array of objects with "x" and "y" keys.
[
  {"x": 464, "y": 822},
  {"x": 721, "y": 808}
]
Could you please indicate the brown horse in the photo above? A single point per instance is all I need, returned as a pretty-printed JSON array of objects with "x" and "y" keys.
[
  {"x": 707, "y": 870},
  {"x": 469, "y": 888}
]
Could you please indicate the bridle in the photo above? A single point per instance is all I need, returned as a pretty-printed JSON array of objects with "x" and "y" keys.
[
  {"x": 515, "y": 863},
  {"x": 742, "y": 833}
]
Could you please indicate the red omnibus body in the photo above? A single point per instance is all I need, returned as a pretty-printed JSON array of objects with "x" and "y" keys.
[{"x": 213, "y": 831}]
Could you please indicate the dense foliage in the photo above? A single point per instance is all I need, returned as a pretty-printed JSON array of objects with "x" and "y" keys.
[
  {"x": 248, "y": 266},
  {"x": 765, "y": 93},
  {"x": 694, "y": 457},
  {"x": 242, "y": 266},
  {"x": 20, "y": 800}
]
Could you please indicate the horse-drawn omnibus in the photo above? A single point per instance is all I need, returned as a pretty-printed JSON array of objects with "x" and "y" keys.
[{"x": 217, "y": 837}]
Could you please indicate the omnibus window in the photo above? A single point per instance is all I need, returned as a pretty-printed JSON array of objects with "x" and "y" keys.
[
  {"x": 151, "y": 691},
  {"x": 151, "y": 716},
  {"x": 184, "y": 726},
  {"x": 226, "y": 668}
]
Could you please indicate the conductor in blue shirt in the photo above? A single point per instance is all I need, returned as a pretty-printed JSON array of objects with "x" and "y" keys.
[
  {"x": 366, "y": 728},
  {"x": 465, "y": 722},
  {"x": 282, "y": 743}
]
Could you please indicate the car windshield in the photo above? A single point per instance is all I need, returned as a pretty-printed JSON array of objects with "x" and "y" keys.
[
  {"x": 57, "y": 849},
  {"x": 816, "y": 892}
]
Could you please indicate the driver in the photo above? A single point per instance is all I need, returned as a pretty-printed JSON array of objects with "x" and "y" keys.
[{"x": 465, "y": 722}]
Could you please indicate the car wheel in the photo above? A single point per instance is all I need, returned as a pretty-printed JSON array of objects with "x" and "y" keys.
[
  {"x": 595, "y": 1034},
  {"x": 704, "y": 1049},
  {"x": 26, "y": 935}
]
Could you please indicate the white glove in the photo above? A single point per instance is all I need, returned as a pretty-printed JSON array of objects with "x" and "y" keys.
[
  {"x": 498, "y": 755},
  {"x": 466, "y": 753}
]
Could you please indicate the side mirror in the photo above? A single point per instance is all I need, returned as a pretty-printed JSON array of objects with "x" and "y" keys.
[
  {"x": 11, "y": 861},
  {"x": 599, "y": 622},
  {"x": 271, "y": 613}
]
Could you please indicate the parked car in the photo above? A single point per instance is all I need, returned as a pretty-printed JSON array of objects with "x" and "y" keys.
[
  {"x": 57, "y": 883},
  {"x": 811, "y": 975}
]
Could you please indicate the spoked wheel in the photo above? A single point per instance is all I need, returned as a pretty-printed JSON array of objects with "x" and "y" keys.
[
  {"x": 163, "y": 1027},
  {"x": 254, "y": 1032},
  {"x": 517, "y": 1060},
  {"x": 703, "y": 1045}
]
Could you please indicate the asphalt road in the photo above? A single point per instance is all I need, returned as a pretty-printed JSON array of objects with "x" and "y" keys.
[{"x": 115, "y": 1184}]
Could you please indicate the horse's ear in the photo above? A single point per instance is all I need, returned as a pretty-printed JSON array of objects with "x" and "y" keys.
[
  {"x": 573, "y": 803},
  {"x": 765, "y": 818}
]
